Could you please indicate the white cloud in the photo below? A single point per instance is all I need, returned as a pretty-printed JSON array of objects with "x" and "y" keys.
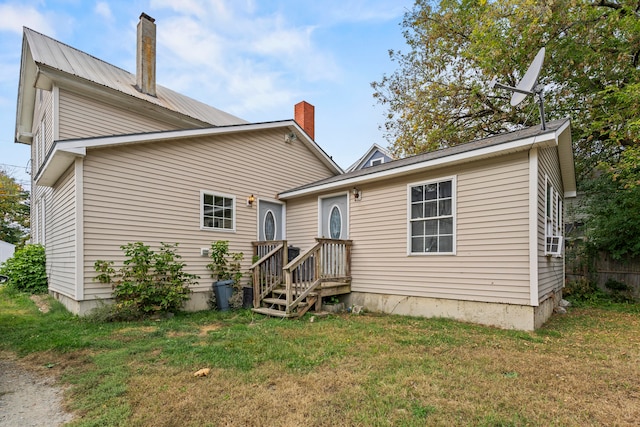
[
  {"x": 13, "y": 17},
  {"x": 102, "y": 8},
  {"x": 253, "y": 60}
]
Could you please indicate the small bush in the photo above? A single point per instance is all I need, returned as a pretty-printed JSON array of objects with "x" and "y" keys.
[
  {"x": 226, "y": 265},
  {"x": 582, "y": 290},
  {"x": 27, "y": 270},
  {"x": 148, "y": 282},
  {"x": 619, "y": 291}
]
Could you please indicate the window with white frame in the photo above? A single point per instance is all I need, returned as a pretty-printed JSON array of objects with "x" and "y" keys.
[
  {"x": 375, "y": 162},
  {"x": 553, "y": 220},
  {"x": 218, "y": 212},
  {"x": 432, "y": 217}
]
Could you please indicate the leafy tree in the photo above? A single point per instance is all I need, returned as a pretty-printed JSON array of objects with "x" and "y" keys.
[
  {"x": 613, "y": 223},
  {"x": 14, "y": 210},
  {"x": 440, "y": 95}
]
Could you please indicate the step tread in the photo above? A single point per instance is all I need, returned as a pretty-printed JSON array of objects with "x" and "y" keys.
[
  {"x": 271, "y": 312},
  {"x": 277, "y": 301},
  {"x": 282, "y": 291}
]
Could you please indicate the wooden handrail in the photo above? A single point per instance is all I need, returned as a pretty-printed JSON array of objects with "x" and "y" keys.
[
  {"x": 300, "y": 258},
  {"x": 268, "y": 272},
  {"x": 327, "y": 260},
  {"x": 268, "y": 255}
]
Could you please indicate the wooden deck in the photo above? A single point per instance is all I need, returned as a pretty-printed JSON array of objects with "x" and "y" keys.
[{"x": 288, "y": 289}]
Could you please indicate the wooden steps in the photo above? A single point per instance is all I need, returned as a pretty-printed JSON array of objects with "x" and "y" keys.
[
  {"x": 276, "y": 304},
  {"x": 273, "y": 312}
]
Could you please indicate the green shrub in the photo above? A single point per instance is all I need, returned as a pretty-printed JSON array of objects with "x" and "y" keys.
[
  {"x": 226, "y": 265},
  {"x": 582, "y": 290},
  {"x": 148, "y": 282},
  {"x": 27, "y": 270},
  {"x": 619, "y": 291}
]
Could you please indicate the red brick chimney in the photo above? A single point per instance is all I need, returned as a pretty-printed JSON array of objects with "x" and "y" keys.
[{"x": 303, "y": 114}]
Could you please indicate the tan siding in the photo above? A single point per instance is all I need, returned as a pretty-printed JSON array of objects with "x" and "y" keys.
[
  {"x": 82, "y": 117},
  {"x": 151, "y": 193},
  {"x": 61, "y": 235},
  {"x": 302, "y": 222},
  {"x": 42, "y": 128},
  {"x": 550, "y": 269},
  {"x": 492, "y": 259}
]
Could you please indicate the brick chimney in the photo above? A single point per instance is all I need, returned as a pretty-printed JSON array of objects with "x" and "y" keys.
[
  {"x": 303, "y": 114},
  {"x": 146, "y": 56}
]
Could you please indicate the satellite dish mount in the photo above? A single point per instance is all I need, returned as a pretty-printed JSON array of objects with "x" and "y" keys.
[{"x": 528, "y": 85}]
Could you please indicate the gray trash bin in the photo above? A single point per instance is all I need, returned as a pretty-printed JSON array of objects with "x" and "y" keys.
[{"x": 223, "y": 290}]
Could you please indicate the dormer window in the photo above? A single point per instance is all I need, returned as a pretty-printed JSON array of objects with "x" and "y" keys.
[{"x": 375, "y": 162}]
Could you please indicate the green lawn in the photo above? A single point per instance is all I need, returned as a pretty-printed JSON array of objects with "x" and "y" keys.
[{"x": 581, "y": 369}]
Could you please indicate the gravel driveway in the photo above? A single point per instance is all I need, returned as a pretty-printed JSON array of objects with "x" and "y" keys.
[{"x": 28, "y": 399}]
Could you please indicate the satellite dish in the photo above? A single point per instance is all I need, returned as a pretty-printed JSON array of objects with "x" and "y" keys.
[
  {"x": 528, "y": 85},
  {"x": 530, "y": 79}
]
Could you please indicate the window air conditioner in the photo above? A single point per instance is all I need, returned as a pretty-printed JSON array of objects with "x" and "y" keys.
[{"x": 554, "y": 245}]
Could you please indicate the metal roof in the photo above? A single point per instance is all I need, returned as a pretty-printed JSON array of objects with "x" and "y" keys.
[{"x": 51, "y": 53}]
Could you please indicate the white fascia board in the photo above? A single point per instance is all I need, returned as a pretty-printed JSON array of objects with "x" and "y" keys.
[
  {"x": 112, "y": 141},
  {"x": 567, "y": 164},
  {"x": 59, "y": 161},
  {"x": 26, "y": 96},
  {"x": 513, "y": 146},
  {"x": 311, "y": 144}
]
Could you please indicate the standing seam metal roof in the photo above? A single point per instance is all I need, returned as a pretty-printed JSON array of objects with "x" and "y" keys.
[{"x": 59, "y": 56}]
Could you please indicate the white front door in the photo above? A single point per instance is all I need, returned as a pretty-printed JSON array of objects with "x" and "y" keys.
[{"x": 334, "y": 217}]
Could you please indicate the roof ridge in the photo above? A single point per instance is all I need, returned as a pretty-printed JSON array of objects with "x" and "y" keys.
[{"x": 77, "y": 50}]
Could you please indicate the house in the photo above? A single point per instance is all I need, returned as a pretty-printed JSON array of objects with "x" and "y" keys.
[
  {"x": 376, "y": 155},
  {"x": 471, "y": 232},
  {"x": 117, "y": 159}
]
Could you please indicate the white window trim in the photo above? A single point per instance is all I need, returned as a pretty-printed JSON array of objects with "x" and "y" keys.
[
  {"x": 379, "y": 161},
  {"x": 334, "y": 206},
  {"x": 553, "y": 226},
  {"x": 264, "y": 225},
  {"x": 454, "y": 203},
  {"x": 234, "y": 207}
]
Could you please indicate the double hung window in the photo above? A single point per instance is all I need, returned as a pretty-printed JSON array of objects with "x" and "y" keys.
[
  {"x": 553, "y": 220},
  {"x": 432, "y": 217}
]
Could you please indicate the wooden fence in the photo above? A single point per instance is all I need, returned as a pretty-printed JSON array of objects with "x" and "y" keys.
[{"x": 602, "y": 269}]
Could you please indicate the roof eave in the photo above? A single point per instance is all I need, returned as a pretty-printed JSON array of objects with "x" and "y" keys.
[
  {"x": 26, "y": 96},
  {"x": 565, "y": 156},
  {"x": 542, "y": 140},
  {"x": 63, "y": 152},
  {"x": 57, "y": 162},
  {"x": 48, "y": 76}
]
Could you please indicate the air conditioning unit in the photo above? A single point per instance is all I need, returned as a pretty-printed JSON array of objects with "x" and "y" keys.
[{"x": 554, "y": 245}]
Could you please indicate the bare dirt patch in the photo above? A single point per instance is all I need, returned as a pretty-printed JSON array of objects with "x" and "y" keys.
[
  {"x": 42, "y": 301},
  {"x": 28, "y": 398}
]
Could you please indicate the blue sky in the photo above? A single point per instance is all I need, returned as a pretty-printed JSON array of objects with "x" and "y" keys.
[{"x": 252, "y": 58}]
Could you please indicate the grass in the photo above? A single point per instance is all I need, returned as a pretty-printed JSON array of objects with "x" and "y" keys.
[{"x": 581, "y": 369}]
